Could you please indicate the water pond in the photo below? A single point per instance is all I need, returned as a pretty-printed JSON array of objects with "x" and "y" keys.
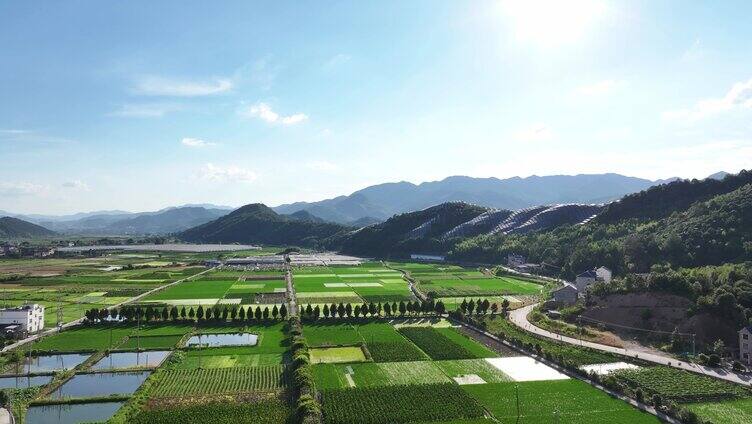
[
  {"x": 51, "y": 363},
  {"x": 71, "y": 414},
  {"x": 217, "y": 340},
  {"x": 100, "y": 384},
  {"x": 131, "y": 359},
  {"x": 23, "y": 382}
]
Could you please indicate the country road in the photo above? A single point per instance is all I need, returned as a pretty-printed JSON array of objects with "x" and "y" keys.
[{"x": 519, "y": 318}]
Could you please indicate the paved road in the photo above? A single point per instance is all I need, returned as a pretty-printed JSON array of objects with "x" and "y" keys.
[
  {"x": 81, "y": 320},
  {"x": 292, "y": 302},
  {"x": 519, "y": 318}
]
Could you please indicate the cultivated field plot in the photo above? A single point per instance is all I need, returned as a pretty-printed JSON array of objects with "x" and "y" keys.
[
  {"x": 332, "y": 355},
  {"x": 271, "y": 411},
  {"x": 555, "y": 401},
  {"x": 728, "y": 412},
  {"x": 221, "y": 381},
  {"x": 398, "y": 404},
  {"x": 86, "y": 287},
  {"x": 367, "y": 283},
  {"x": 680, "y": 386},
  {"x": 444, "y": 343}
]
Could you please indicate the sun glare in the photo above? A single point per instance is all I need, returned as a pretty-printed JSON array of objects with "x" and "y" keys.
[{"x": 552, "y": 22}]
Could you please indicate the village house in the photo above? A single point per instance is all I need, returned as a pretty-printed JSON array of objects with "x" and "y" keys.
[{"x": 745, "y": 345}]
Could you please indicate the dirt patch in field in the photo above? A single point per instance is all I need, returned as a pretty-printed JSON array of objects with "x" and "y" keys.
[{"x": 660, "y": 312}]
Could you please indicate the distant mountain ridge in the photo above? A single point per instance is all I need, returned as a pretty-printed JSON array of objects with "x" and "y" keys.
[
  {"x": 16, "y": 228},
  {"x": 384, "y": 200}
]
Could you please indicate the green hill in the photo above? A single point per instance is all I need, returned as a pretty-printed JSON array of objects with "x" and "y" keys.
[
  {"x": 17, "y": 228},
  {"x": 256, "y": 223}
]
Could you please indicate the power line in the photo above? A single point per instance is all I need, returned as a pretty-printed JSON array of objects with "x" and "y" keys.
[{"x": 632, "y": 328}]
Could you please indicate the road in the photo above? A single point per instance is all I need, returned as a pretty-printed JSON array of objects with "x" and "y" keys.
[
  {"x": 292, "y": 301},
  {"x": 81, "y": 320},
  {"x": 519, "y": 318},
  {"x": 417, "y": 293}
]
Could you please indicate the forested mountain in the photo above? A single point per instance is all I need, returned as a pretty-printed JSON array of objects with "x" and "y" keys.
[
  {"x": 710, "y": 231},
  {"x": 167, "y": 221},
  {"x": 256, "y": 223},
  {"x": 17, "y": 228},
  {"x": 385, "y": 200},
  {"x": 415, "y": 232}
]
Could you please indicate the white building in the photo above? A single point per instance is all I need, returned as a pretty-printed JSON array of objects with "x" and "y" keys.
[
  {"x": 604, "y": 274},
  {"x": 29, "y": 317},
  {"x": 745, "y": 345},
  {"x": 427, "y": 258}
]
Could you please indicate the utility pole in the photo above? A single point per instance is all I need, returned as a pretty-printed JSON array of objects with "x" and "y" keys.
[{"x": 693, "y": 344}]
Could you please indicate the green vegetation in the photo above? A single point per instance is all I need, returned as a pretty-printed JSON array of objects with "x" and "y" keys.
[
  {"x": 737, "y": 411},
  {"x": 395, "y": 351},
  {"x": 221, "y": 381},
  {"x": 544, "y": 401},
  {"x": 680, "y": 386},
  {"x": 567, "y": 354},
  {"x": 332, "y": 376},
  {"x": 263, "y": 412},
  {"x": 337, "y": 354},
  {"x": 479, "y": 367},
  {"x": 436, "y": 344},
  {"x": 398, "y": 404}
]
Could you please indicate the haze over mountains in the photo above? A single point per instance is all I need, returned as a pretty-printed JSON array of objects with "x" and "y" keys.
[
  {"x": 367, "y": 206},
  {"x": 381, "y": 201}
]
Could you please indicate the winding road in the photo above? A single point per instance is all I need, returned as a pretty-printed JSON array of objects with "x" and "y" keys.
[{"x": 519, "y": 318}]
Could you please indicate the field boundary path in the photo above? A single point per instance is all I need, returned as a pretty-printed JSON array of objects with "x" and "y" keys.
[
  {"x": 518, "y": 317},
  {"x": 410, "y": 283},
  {"x": 81, "y": 320},
  {"x": 484, "y": 336},
  {"x": 292, "y": 309}
]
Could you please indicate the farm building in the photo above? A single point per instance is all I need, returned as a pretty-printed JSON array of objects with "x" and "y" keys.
[
  {"x": 589, "y": 277},
  {"x": 427, "y": 258},
  {"x": 515, "y": 260},
  {"x": 566, "y": 295},
  {"x": 29, "y": 317}
]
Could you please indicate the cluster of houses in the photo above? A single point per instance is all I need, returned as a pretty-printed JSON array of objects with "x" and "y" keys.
[
  {"x": 23, "y": 251},
  {"x": 569, "y": 292}
]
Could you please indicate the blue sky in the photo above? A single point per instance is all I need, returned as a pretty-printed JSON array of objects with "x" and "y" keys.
[{"x": 140, "y": 105}]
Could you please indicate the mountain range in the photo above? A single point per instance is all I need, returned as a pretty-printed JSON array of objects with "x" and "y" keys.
[
  {"x": 17, "y": 228},
  {"x": 379, "y": 202}
]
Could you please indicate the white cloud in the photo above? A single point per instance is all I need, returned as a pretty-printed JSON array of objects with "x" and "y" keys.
[
  {"x": 739, "y": 96},
  {"x": 550, "y": 23},
  {"x": 264, "y": 112},
  {"x": 196, "y": 142},
  {"x": 14, "y": 131},
  {"x": 153, "y": 110},
  {"x": 599, "y": 88},
  {"x": 322, "y": 166},
  {"x": 17, "y": 189},
  {"x": 229, "y": 173},
  {"x": 76, "y": 185},
  {"x": 160, "y": 86},
  {"x": 537, "y": 132},
  {"x": 336, "y": 61}
]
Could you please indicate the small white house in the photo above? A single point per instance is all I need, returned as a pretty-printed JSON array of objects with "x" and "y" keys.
[
  {"x": 566, "y": 295},
  {"x": 427, "y": 258},
  {"x": 745, "y": 345},
  {"x": 29, "y": 317},
  {"x": 603, "y": 274}
]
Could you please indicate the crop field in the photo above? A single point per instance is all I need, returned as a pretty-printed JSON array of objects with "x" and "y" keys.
[
  {"x": 436, "y": 344},
  {"x": 367, "y": 283},
  {"x": 398, "y": 404},
  {"x": 208, "y": 359},
  {"x": 474, "y": 286},
  {"x": 728, "y": 412},
  {"x": 84, "y": 339},
  {"x": 342, "y": 354},
  {"x": 479, "y": 367},
  {"x": 221, "y": 381},
  {"x": 379, "y": 374},
  {"x": 544, "y": 401},
  {"x": 680, "y": 386},
  {"x": 271, "y": 411}
]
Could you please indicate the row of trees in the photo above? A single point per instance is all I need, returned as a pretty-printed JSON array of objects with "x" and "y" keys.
[
  {"x": 401, "y": 309},
  {"x": 151, "y": 313}
]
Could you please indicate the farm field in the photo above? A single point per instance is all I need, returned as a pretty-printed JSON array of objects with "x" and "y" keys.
[
  {"x": 544, "y": 401},
  {"x": 368, "y": 283},
  {"x": 221, "y": 381}
]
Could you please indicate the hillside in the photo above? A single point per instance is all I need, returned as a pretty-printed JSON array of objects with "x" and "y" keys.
[
  {"x": 385, "y": 200},
  {"x": 17, "y": 228},
  {"x": 708, "y": 232},
  {"x": 662, "y": 200},
  {"x": 256, "y": 223},
  {"x": 168, "y": 221},
  {"x": 438, "y": 228}
]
